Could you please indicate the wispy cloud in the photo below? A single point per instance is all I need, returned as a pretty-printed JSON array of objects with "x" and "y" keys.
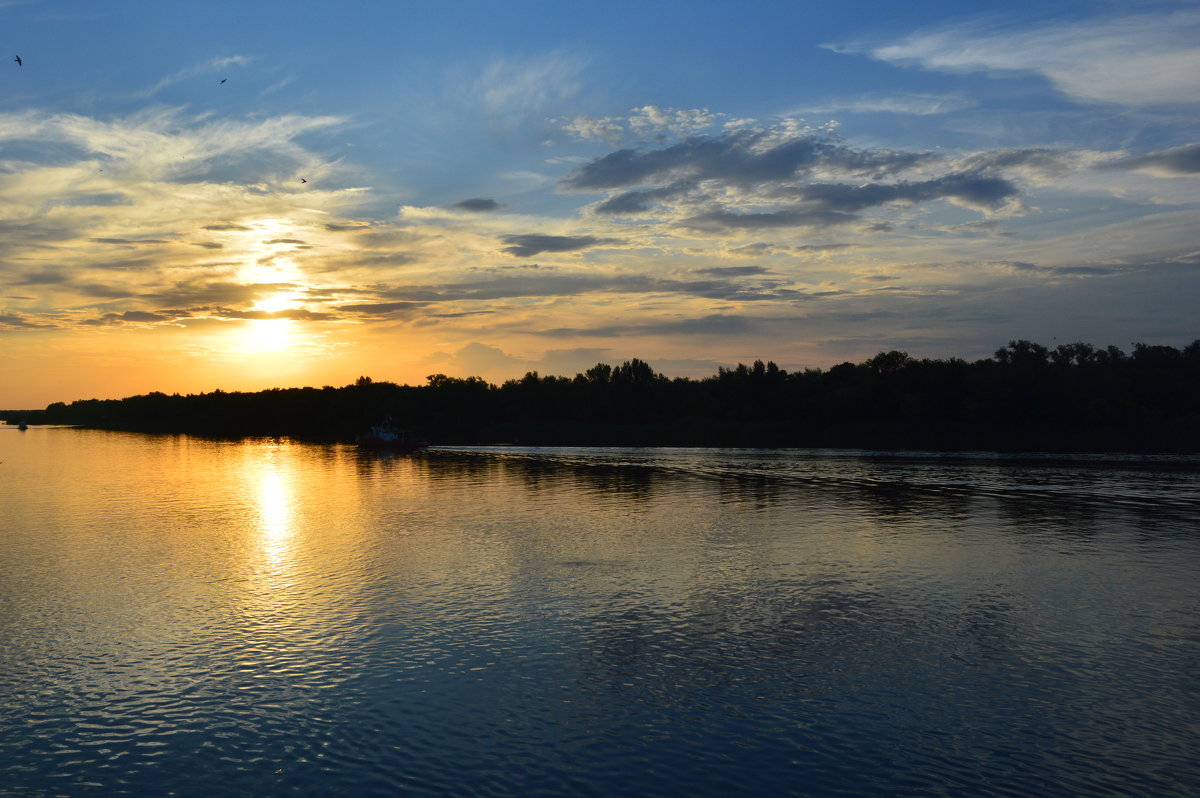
[
  {"x": 913, "y": 103},
  {"x": 1135, "y": 60},
  {"x": 209, "y": 67},
  {"x": 510, "y": 88},
  {"x": 1175, "y": 162}
]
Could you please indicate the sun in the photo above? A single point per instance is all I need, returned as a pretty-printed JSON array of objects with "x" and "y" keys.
[
  {"x": 269, "y": 334},
  {"x": 275, "y": 303}
]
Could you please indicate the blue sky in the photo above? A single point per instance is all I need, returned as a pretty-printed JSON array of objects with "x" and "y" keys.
[{"x": 399, "y": 189}]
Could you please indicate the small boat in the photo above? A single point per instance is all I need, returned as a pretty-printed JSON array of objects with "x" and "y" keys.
[
  {"x": 22, "y": 426},
  {"x": 387, "y": 438}
]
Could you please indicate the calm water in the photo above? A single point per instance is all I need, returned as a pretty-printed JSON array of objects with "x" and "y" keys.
[{"x": 189, "y": 617}]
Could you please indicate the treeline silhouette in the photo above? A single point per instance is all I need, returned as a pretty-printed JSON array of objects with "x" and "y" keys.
[{"x": 1075, "y": 397}]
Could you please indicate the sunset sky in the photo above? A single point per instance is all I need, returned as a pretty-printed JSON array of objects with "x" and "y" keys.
[{"x": 270, "y": 194}]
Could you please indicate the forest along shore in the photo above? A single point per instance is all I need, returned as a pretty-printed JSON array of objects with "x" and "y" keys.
[{"x": 1076, "y": 397}]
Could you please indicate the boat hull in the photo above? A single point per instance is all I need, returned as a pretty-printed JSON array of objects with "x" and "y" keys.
[{"x": 373, "y": 444}]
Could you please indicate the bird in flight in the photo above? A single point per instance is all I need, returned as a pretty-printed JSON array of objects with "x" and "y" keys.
[
  {"x": 223, "y": 80},
  {"x": 302, "y": 180},
  {"x": 19, "y": 61}
]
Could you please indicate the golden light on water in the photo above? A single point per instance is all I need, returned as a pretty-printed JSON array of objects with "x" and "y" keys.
[{"x": 275, "y": 521}]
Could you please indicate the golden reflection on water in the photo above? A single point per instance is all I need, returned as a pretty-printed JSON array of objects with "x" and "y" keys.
[{"x": 275, "y": 502}]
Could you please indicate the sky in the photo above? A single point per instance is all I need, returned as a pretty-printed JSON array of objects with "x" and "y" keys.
[{"x": 252, "y": 195}]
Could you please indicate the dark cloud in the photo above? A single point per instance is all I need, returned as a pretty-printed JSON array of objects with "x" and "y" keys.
[
  {"x": 1040, "y": 159},
  {"x": 346, "y": 227},
  {"x": 382, "y": 308},
  {"x": 463, "y": 314},
  {"x": 208, "y": 244},
  {"x": 478, "y": 205},
  {"x": 97, "y": 200},
  {"x": 286, "y": 241},
  {"x": 976, "y": 190},
  {"x": 225, "y": 226},
  {"x": 820, "y": 247},
  {"x": 635, "y": 202},
  {"x": 1183, "y": 160},
  {"x": 217, "y": 294},
  {"x": 551, "y": 285},
  {"x": 739, "y": 158},
  {"x": 43, "y": 277},
  {"x": 528, "y": 245},
  {"x": 14, "y": 321},
  {"x": 743, "y": 176},
  {"x": 714, "y": 324},
  {"x": 101, "y": 290},
  {"x": 1085, "y": 271},
  {"x": 130, "y": 242},
  {"x": 721, "y": 220},
  {"x": 732, "y": 271},
  {"x": 295, "y": 314},
  {"x": 138, "y": 315},
  {"x": 359, "y": 261},
  {"x": 762, "y": 248}
]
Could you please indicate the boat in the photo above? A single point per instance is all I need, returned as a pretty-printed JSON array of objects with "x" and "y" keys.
[
  {"x": 22, "y": 426},
  {"x": 387, "y": 438}
]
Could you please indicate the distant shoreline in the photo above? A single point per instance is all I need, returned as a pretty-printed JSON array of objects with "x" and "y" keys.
[{"x": 1075, "y": 398}]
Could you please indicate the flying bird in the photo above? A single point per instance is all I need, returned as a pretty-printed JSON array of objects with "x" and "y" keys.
[
  {"x": 302, "y": 180},
  {"x": 19, "y": 61},
  {"x": 223, "y": 80}
]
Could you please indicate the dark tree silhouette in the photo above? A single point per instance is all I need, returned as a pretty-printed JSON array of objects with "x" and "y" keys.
[{"x": 1076, "y": 397}]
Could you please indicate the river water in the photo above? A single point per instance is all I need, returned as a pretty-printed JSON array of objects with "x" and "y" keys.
[{"x": 189, "y": 617}]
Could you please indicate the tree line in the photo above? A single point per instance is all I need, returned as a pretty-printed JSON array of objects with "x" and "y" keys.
[{"x": 1075, "y": 397}]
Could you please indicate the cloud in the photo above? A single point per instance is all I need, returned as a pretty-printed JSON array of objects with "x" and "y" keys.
[
  {"x": 713, "y": 324},
  {"x": 1175, "y": 162},
  {"x": 43, "y": 277},
  {"x": 19, "y": 322},
  {"x": 210, "y": 66},
  {"x": 760, "y": 249},
  {"x": 1134, "y": 60},
  {"x": 645, "y": 121},
  {"x": 741, "y": 158},
  {"x": 102, "y": 291},
  {"x": 971, "y": 190},
  {"x": 478, "y": 205},
  {"x": 636, "y": 202},
  {"x": 688, "y": 122},
  {"x": 587, "y": 128},
  {"x": 382, "y": 308},
  {"x": 513, "y": 87},
  {"x": 528, "y": 245},
  {"x": 194, "y": 293},
  {"x": 732, "y": 271},
  {"x": 295, "y": 314},
  {"x": 912, "y": 103},
  {"x": 133, "y": 316},
  {"x": 718, "y": 221}
]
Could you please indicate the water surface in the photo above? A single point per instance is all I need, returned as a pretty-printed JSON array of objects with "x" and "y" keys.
[{"x": 181, "y": 616}]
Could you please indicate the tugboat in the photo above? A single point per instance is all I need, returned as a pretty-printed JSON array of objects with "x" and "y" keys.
[{"x": 386, "y": 437}]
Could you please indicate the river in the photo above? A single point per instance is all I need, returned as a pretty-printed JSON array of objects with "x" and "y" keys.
[{"x": 264, "y": 617}]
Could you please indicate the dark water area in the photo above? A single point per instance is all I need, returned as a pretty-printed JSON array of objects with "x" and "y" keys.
[{"x": 192, "y": 617}]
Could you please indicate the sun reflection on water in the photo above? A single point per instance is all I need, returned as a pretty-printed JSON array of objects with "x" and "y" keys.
[{"x": 275, "y": 515}]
